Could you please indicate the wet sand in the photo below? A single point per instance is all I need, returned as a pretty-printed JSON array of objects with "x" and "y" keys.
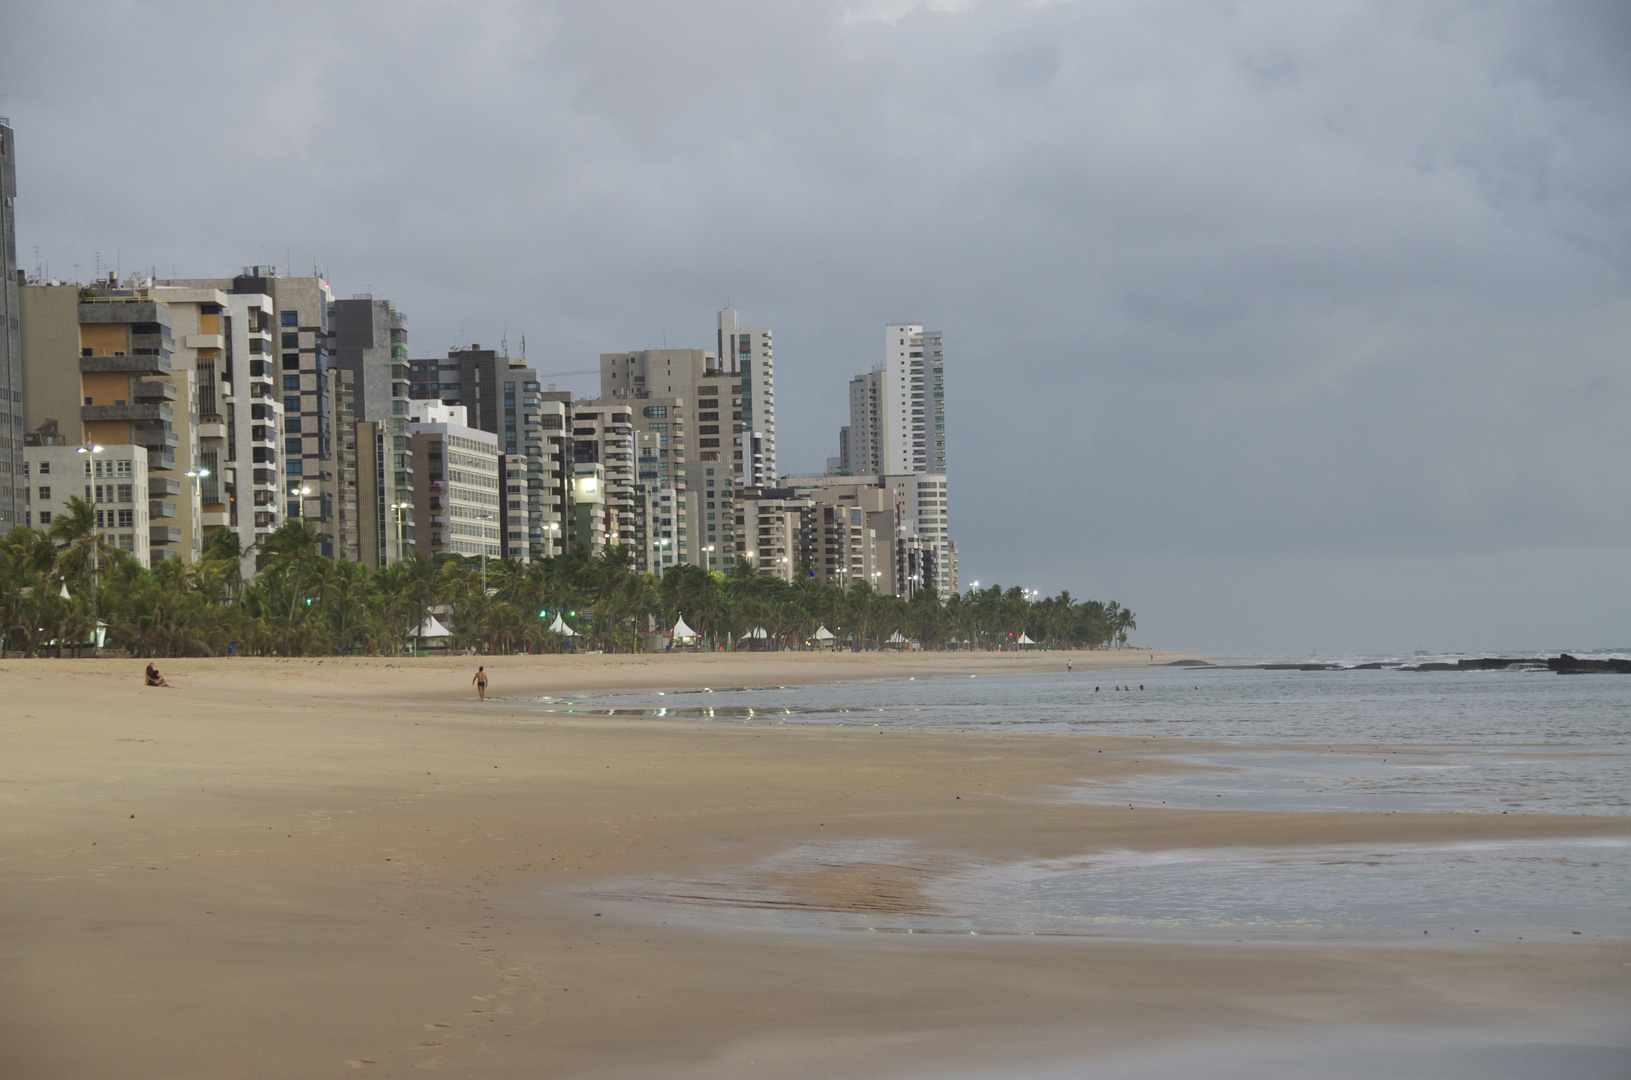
[{"x": 329, "y": 868}]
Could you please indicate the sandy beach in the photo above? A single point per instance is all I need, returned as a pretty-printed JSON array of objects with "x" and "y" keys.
[{"x": 329, "y": 868}]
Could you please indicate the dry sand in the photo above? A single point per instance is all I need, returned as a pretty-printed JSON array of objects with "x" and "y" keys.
[{"x": 314, "y": 869}]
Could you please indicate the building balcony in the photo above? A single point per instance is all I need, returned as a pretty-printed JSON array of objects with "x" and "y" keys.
[
  {"x": 160, "y": 459},
  {"x": 129, "y": 365},
  {"x": 134, "y": 411},
  {"x": 204, "y": 341},
  {"x": 158, "y": 535},
  {"x": 154, "y": 438},
  {"x": 153, "y": 390},
  {"x": 216, "y": 519},
  {"x": 159, "y": 508},
  {"x": 163, "y": 487},
  {"x": 212, "y": 427}
]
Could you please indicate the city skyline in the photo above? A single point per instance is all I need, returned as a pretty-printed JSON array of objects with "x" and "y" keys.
[{"x": 1300, "y": 313}]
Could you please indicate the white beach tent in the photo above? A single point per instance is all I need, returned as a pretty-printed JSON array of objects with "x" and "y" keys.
[
  {"x": 1025, "y": 639},
  {"x": 757, "y": 632},
  {"x": 681, "y": 630},
  {"x": 823, "y": 636},
  {"x": 896, "y": 639},
  {"x": 559, "y": 626},
  {"x": 434, "y": 631}
]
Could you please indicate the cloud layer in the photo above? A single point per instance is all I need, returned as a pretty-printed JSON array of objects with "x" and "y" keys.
[{"x": 1268, "y": 292}]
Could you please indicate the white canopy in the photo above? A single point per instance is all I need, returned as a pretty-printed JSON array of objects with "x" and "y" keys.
[
  {"x": 823, "y": 634},
  {"x": 65, "y": 595},
  {"x": 757, "y": 632},
  {"x": 433, "y": 629},
  {"x": 1025, "y": 639},
  {"x": 896, "y": 639},
  {"x": 560, "y": 627},
  {"x": 681, "y": 630}
]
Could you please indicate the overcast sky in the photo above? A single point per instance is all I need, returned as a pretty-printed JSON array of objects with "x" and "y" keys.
[{"x": 1294, "y": 326}]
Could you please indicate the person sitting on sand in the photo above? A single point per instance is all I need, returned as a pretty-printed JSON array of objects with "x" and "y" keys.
[
  {"x": 155, "y": 679},
  {"x": 480, "y": 680}
]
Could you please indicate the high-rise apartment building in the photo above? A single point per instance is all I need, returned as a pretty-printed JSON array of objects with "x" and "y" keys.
[
  {"x": 301, "y": 342},
  {"x": 456, "y": 483},
  {"x": 699, "y": 403},
  {"x": 11, "y": 346},
  {"x": 896, "y": 440},
  {"x": 368, "y": 346},
  {"x": 748, "y": 352},
  {"x": 99, "y": 365},
  {"x": 504, "y": 396},
  {"x": 897, "y": 421}
]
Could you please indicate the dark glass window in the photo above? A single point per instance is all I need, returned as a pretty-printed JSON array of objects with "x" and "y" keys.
[
  {"x": 291, "y": 382},
  {"x": 289, "y": 318},
  {"x": 291, "y": 341}
]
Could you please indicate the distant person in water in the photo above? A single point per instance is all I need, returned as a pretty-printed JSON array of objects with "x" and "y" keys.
[
  {"x": 1070, "y": 665},
  {"x": 480, "y": 680},
  {"x": 155, "y": 679}
]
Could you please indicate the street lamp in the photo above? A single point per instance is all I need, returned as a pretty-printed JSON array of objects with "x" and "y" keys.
[
  {"x": 710, "y": 558},
  {"x": 401, "y": 540},
  {"x": 96, "y": 534},
  {"x": 484, "y": 517}
]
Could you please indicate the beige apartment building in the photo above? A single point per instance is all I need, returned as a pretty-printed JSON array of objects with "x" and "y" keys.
[{"x": 100, "y": 365}]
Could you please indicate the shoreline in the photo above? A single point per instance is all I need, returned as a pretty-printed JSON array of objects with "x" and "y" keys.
[
  {"x": 320, "y": 867},
  {"x": 434, "y": 677}
]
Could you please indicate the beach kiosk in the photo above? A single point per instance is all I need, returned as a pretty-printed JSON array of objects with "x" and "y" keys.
[
  {"x": 897, "y": 641},
  {"x": 433, "y": 635},
  {"x": 1025, "y": 641},
  {"x": 757, "y": 638},
  {"x": 823, "y": 638},
  {"x": 683, "y": 634}
]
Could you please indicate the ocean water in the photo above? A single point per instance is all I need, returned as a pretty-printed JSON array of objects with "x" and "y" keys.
[{"x": 1388, "y": 740}]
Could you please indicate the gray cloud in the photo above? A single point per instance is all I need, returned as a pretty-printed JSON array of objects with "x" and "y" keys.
[{"x": 1295, "y": 295}]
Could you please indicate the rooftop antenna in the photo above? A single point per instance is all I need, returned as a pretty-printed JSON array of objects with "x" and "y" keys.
[
  {"x": 504, "y": 343},
  {"x": 523, "y": 346}
]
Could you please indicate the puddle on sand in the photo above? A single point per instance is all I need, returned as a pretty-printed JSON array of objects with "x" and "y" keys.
[
  {"x": 1559, "y": 890},
  {"x": 1599, "y": 1052}
]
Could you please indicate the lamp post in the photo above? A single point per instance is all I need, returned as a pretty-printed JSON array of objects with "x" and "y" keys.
[
  {"x": 96, "y": 536},
  {"x": 401, "y": 540},
  {"x": 196, "y": 499},
  {"x": 484, "y": 517},
  {"x": 709, "y": 548}
]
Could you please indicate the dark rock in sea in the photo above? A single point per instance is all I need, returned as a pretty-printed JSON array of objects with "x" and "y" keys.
[
  {"x": 1190, "y": 663},
  {"x": 1571, "y": 665},
  {"x": 1371, "y": 667},
  {"x": 1483, "y": 663},
  {"x": 1301, "y": 667}
]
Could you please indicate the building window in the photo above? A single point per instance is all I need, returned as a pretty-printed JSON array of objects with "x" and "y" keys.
[
  {"x": 291, "y": 426},
  {"x": 289, "y": 318},
  {"x": 45, "y": 467},
  {"x": 291, "y": 382},
  {"x": 655, "y": 412},
  {"x": 291, "y": 446},
  {"x": 45, "y": 494},
  {"x": 45, "y": 517},
  {"x": 291, "y": 361},
  {"x": 291, "y": 403},
  {"x": 127, "y": 519}
]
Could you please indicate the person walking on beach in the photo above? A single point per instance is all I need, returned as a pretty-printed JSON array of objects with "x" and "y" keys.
[
  {"x": 1070, "y": 665},
  {"x": 480, "y": 680}
]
